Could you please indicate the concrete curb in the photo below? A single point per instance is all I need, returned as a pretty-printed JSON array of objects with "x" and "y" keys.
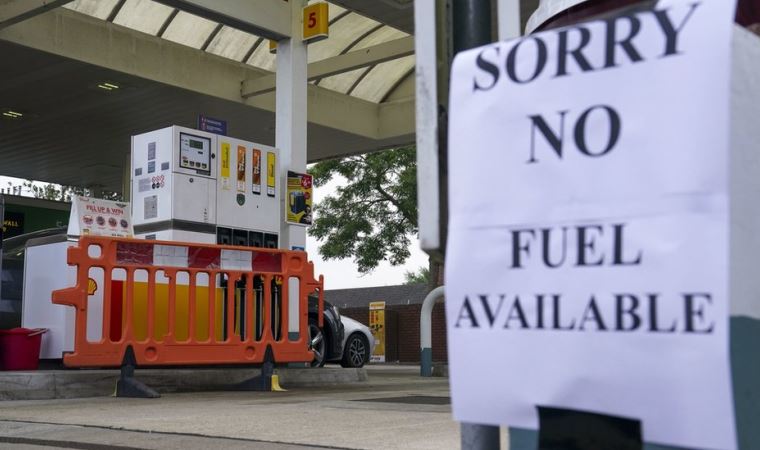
[
  {"x": 441, "y": 370},
  {"x": 51, "y": 384}
]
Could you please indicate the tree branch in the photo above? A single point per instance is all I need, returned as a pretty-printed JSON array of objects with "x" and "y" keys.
[{"x": 411, "y": 218}]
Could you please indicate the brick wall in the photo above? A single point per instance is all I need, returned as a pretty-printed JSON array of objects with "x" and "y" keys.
[{"x": 407, "y": 332}]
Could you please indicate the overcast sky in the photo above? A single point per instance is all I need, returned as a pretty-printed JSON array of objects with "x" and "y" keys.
[{"x": 339, "y": 274}]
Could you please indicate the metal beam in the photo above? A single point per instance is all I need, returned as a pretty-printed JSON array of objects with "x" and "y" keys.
[
  {"x": 338, "y": 64},
  {"x": 87, "y": 39},
  {"x": 211, "y": 37},
  {"x": 397, "y": 118},
  {"x": 356, "y": 42},
  {"x": 167, "y": 22},
  {"x": 15, "y": 11},
  {"x": 115, "y": 11},
  {"x": 97, "y": 42},
  {"x": 266, "y": 18},
  {"x": 332, "y": 109}
]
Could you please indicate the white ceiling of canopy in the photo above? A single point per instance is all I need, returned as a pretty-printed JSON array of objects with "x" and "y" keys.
[{"x": 348, "y": 31}]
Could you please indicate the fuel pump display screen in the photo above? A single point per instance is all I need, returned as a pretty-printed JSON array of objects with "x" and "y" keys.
[{"x": 195, "y": 153}]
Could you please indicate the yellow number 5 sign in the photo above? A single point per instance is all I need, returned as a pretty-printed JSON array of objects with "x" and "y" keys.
[{"x": 315, "y": 22}]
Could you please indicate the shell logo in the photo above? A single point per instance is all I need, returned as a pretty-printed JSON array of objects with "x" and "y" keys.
[{"x": 92, "y": 286}]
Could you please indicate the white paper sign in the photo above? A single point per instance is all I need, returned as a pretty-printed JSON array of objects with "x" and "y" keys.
[
  {"x": 588, "y": 239},
  {"x": 98, "y": 217}
]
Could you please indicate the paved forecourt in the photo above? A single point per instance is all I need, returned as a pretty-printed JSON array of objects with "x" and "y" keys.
[{"x": 394, "y": 408}]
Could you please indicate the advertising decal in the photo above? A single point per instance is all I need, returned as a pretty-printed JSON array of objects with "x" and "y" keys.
[{"x": 299, "y": 197}]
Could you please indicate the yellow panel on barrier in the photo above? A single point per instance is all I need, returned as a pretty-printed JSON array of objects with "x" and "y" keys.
[{"x": 182, "y": 314}]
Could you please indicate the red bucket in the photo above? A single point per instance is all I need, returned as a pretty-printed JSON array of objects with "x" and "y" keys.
[{"x": 20, "y": 348}]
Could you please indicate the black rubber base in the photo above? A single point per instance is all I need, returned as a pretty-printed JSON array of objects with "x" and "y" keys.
[
  {"x": 259, "y": 383},
  {"x": 263, "y": 382},
  {"x": 128, "y": 386},
  {"x": 131, "y": 388}
]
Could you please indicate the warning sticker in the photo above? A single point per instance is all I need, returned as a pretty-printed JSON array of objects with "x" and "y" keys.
[
  {"x": 150, "y": 207},
  {"x": 143, "y": 185}
]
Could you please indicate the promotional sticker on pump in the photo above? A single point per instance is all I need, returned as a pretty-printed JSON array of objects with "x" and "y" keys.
[
  {"x": 98, "y": 217},
  {"x": 271, "y": 167},
  {"x": 377, "y": 327},
  {"x": 241, "y": 168},
  {"x": 299, "y": 198},
  {"x": 256, "y": 172},
  {"x": 225, "y": 166}
]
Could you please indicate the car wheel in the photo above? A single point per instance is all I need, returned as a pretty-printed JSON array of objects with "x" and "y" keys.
[
  {"x": 317, "y": 344},
  {"x": 356, "y": 352}
]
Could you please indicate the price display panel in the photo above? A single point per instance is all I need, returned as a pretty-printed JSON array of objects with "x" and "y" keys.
[{"x": 195, "y": 153}]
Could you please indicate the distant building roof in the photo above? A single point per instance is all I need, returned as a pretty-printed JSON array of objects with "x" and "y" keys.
[{"x": 403, "y": 294}]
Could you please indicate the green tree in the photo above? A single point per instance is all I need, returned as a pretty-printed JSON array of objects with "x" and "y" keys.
[
  {"x": 373, "y": 216},
  {"x": 422, "y": 275},
  {"x": 64, "y": 193}
]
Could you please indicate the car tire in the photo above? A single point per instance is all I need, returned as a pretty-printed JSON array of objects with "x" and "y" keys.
[
  {"x": 356, "y": 351},
  {"x": 317, "y": 344}
]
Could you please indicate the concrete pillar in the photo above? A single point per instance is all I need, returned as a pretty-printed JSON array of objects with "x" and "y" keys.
[
  {"x": 290, "y": 115},
  {"x": 290, "y": 138}
]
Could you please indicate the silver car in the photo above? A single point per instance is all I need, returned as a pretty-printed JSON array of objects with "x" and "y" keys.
[{"x": 358, "y": 343}]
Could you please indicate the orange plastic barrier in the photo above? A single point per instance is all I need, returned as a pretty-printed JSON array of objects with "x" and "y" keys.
[{"x": 186, "y": 303}]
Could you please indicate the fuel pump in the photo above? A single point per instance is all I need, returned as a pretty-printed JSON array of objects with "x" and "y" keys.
[{"x": 191, "y": 186}]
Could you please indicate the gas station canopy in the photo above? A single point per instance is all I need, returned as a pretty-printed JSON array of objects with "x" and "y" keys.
[
  {"x": 88, "y": 75},
  {"x": 78, "y": 78}
]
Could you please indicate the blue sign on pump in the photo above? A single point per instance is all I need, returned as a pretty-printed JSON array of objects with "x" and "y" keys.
[{"x": 212, "y": 125}]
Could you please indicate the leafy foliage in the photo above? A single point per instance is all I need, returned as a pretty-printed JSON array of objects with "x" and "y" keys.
[
  {"x": 63, "y": 193},
  {"x": 372, "y": 217},
  {"x": 422, "y": 275}
]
